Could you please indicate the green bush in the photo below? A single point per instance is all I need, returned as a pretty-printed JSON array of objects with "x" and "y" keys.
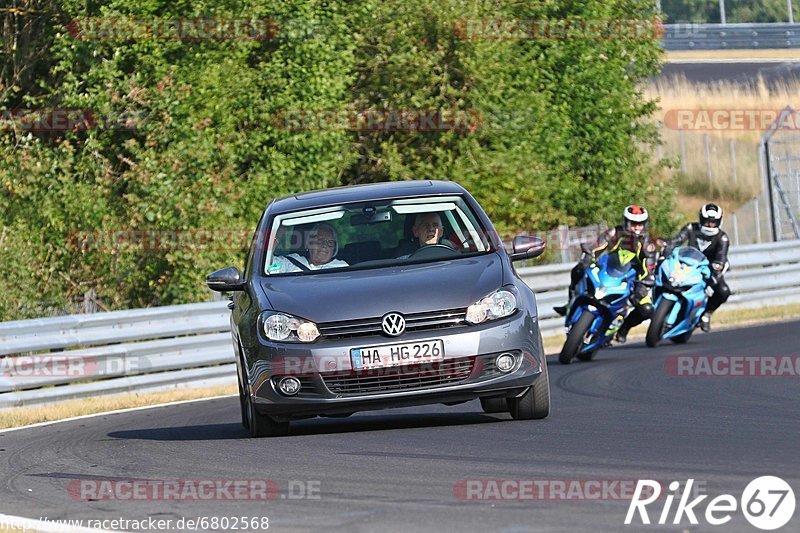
[{"x": 560, "y": 132}]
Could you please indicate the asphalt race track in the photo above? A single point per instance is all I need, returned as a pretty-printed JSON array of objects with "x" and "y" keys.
[{"x": 621, "y": 417}]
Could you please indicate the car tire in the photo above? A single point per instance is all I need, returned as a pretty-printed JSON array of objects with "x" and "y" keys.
[
  {"x": 575, "y": 338},
  {"x": 655, "y": 331},
  {"x": 494, "y": 405},
  {"x": 535, "y": 403},
  {"x": 262, "y": 425},
  {"x": 243, "y": 405},
  {"x": 242, "y": 394}
]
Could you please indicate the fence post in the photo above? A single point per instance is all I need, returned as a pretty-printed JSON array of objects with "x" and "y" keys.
[
  {"x": 735, "y": 229},
  {"x": 683, "y": 150},
  {"x": 733, "y": 163},
  {"x": 757, "y": 217},
  {"x": 563, "y": 242},
  {"x": 708, "y": 161}
]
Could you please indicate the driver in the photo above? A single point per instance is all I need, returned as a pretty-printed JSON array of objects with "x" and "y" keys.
[
  {"x": 427, "y": 229},
  {"x": 323, "y": 244}
]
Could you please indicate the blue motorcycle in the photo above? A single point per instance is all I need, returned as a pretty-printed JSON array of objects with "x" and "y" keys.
[
  {"x": 600, "y": 305},
  {"x": 680, "y": 296}
]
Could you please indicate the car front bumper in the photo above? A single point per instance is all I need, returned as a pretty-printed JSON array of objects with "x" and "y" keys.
[{"x": 329, "y": 385}]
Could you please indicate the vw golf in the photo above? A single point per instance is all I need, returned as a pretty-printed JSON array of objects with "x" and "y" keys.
[{"x": 377, "y": 296}]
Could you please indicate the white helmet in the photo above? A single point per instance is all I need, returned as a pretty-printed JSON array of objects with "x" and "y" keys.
[
  {"x": 634, "y": 214},
  {"x": 710, "y": 219}
]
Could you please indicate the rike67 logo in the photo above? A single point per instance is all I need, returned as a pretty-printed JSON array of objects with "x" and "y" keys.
[{"x": 767, "y": 502}]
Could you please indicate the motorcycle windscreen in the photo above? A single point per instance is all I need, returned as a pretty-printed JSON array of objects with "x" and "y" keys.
[
  {"x": 690, "y": 256},
  {"x": 619, "y": 263}
]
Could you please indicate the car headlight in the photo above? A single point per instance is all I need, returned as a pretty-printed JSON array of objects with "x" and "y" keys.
[
  {"x": 499, "y": 304},
  {"x": 283, "y": 327}
]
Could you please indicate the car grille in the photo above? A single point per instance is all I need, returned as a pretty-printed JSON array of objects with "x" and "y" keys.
[
  {"x": 400, "y": 378},
  {"x": 414, "y": 322}
]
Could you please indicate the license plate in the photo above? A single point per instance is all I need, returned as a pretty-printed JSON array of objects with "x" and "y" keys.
[{"x": 397, "y": 354}]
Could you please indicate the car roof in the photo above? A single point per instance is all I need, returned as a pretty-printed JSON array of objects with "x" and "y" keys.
[{"x": 362, "y": 193}]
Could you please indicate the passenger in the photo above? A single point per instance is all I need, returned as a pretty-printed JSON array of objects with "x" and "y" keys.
[{"x": 323, "y": 245}]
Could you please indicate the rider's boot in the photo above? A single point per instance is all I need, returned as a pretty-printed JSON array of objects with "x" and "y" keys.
[
  {"x": 705, "y": 322},
  {"x": 562, "y": 309}
]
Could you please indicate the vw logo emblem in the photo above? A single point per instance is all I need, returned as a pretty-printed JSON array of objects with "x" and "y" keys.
[{"x": 393, "y": 324}]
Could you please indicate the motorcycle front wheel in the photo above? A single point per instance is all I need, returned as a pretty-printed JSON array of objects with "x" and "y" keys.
[
  {"x": 658, "y": 324},
  {"x": 574, "y": 341}
]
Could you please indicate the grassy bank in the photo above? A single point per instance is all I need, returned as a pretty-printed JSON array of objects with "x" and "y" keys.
[{"x": 724, "y": 146}]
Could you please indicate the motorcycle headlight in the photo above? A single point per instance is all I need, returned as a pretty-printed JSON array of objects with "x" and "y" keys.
[
  {"x": 499, "y": 304},
  {"x": 283, "y": 327},
  {"x": 600, "y": 293}
]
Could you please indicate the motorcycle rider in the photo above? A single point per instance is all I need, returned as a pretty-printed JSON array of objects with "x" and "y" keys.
[
  {"x": 632, "y": 236},
  {"x": 706, "y": 236}
]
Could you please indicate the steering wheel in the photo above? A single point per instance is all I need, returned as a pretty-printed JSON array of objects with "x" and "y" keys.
[{"x": 431, "y": 250}]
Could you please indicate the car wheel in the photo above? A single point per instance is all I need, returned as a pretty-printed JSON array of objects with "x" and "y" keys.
[
  {"x": 535, "y": 403},
  {"x": 243, "y": 406},
  {"x": 494, "y": 405},
  {"x": 262, "y": 425}
]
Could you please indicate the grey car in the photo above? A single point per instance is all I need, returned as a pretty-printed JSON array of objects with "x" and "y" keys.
[{"x": 384, "y": 295}]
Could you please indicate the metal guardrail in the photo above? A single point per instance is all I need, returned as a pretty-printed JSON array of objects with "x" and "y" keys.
[
  {"x": 697, "y": 36},
  {"x": 190, "y": 345}
]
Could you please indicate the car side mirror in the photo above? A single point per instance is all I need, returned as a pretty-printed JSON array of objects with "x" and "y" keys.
[
  {"x": 527, "y": 247},
  {"x": 225, "y": 280}
]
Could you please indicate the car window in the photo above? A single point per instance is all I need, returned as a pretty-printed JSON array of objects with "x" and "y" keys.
[{"x": 372, "y": 235}]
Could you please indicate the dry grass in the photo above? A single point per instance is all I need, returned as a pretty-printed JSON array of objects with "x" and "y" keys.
[
  {"x": 675, "y": 94},
  {"x": 723, "y": 319},
  {"x": 23, "y": 416},
  {"x": 769, "y": 53}
]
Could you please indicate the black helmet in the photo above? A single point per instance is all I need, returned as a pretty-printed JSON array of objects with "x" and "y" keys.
[
  {"x": 634, "y": 214},
  {"x": 710, "y": 219}
]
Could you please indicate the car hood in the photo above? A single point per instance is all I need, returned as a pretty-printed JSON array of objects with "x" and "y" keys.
[{"x": 372, "y": 293}]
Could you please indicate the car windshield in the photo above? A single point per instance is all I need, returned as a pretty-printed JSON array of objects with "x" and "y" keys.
[
  {"x": 687, "y": 252},
  {"x": 373, "y": 234}
]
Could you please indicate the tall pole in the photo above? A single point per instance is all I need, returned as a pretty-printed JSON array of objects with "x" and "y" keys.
[
  {"x": 770, "y": 195},
  {"x": 789, "y": 7},
  {"x": 722, "y": 12}
]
